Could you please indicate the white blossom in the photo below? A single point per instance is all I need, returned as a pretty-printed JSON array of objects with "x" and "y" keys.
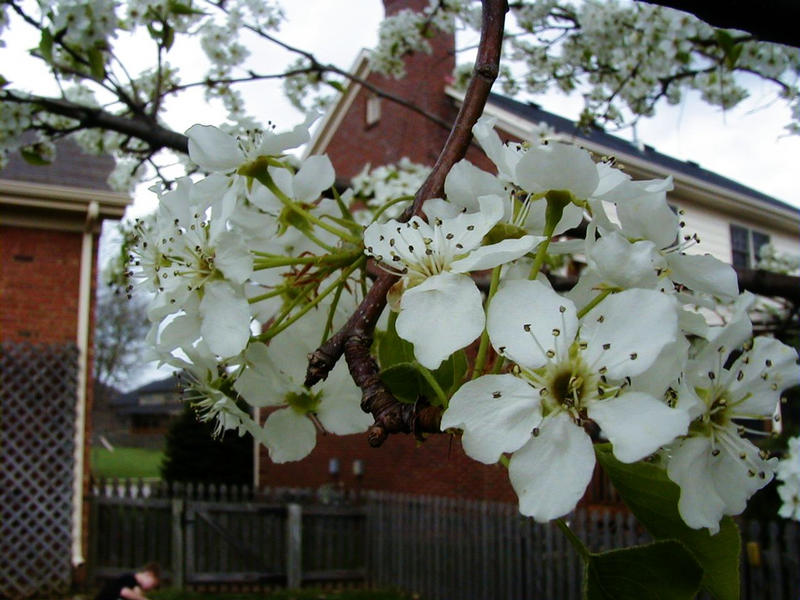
[
  {"x": 441, "y": 309},
  {"x": 569, "y": 371}
]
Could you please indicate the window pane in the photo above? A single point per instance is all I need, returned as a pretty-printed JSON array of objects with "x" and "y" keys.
[
  {"x": 740, "y": 247},
  {"x": 759, "y": 240}
]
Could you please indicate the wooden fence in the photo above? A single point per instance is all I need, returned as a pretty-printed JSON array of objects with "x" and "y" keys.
[{"x": 442, "y": 549}]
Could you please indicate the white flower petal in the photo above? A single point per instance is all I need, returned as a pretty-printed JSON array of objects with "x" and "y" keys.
[
  {"x": 637, "y": 424},
  {"x": 212, "y": 149},
  {"x": 289, "y": 435},
  {"x": 550, "y": 473},
  {"x": 644, "y": 213},
  {"x": 273, "y": 144},
  {"x": 558, "y": 166},
  {"x": 522, "y": 318},
  {"x": 340, "y": 410},
  {"x": 493, "y": 255},
  {"x": 465, "y": 183},
  {"x": 233, "y": 258},
  {"x": 691, "y": 466},
  {"x": 504, "y": 157},
  {"x": 716, "y": 484},
  {"x": 226, "y": 319},
  {"x": 315, "y": 176},
  {"x": 766, "y": 370},
  {"x": 258, "y": 389},
  {"x": 468, "y": 229},
  {"x": 623, "y": 264},
  {"x": 704, "y": 273},
  {"x": 614, "y": 336},
  {"x": 439, "y": 316},
  {"x": 497, "y": 414}
]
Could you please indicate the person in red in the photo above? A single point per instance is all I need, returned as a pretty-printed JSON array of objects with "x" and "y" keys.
[{"x": 131, "y": 586}]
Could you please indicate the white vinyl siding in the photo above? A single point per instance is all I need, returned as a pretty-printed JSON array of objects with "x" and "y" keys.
[{"x": 714, "y": 230}]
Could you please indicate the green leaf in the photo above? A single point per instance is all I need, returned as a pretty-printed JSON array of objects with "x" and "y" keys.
[
  {"x": 46, "y": 45},
  {"x": 180, "y": 8},
  {"x": 97, "y": 63},
  {"x": 337, "y": 85},
  {"x": 404, "y": 381},
  {"x": 653, "y": 499},
  {"x": 3, "y": 81},
  {"x": 395, "y": 351},
  {"x": 392, "y": 349},
  {"x": 658, "y": 571},
  {"x": 32, "y": 157}
]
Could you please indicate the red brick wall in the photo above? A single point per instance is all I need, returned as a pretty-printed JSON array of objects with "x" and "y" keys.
[
  {"x": 436, "y": 467},
  {"x": 39, "y": 277}
]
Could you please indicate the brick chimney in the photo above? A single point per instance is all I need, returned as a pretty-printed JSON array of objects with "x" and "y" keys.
[{"x": 378, "y": 131}]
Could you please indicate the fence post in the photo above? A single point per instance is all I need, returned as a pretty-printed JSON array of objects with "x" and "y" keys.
[
  {"x": 177, "y": 543},
  {"x": 294, "y": 545}
]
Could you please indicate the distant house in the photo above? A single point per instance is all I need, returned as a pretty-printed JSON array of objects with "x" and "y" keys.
[
  {"x": 732, "y": 220},
  {"x": 146, "y": 412}
]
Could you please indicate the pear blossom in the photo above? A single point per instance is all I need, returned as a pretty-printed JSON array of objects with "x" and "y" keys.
[
  {"x": 212, "y": 149},
  {"x": 569, "y": 371},
  {"x": 273, "y": 378},
  {"x": 198, "y": 268},
  {"x": 716, "y": 467},
  {"x": 652, "y": 232},
  {"x": 441, "y": 309}
]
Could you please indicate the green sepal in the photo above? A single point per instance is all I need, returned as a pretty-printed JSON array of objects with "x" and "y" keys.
[
  {"x": 46, "y": 45},
  {"x": 659, "y": 571},
  {"x": 167, "y": 37},
  {"x": 504, "y": 231},
  {"x": 3, "y": 82},
  {"x": 97, "y": 63},
  {"x": 653, "y": 499},
  {"x": 258, "y": 169}
]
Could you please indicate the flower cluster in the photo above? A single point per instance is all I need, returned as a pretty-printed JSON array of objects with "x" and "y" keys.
[
  {"x": 625, "y": 56},
  {"x": 252, "y": 268},
  {"x": 233, "y": 260}
]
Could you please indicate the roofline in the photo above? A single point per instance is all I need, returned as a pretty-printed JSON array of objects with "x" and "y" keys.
[
  {"x": 47, "y": 206},
  {"x": 779, "y": 215},
  {"x": 333, "y": 117}
]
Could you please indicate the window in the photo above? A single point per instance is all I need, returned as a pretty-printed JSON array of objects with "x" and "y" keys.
[{"x": 745, "y": 246}]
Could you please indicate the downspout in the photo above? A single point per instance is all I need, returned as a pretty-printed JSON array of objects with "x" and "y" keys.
[{"x": 84, "y": 320}]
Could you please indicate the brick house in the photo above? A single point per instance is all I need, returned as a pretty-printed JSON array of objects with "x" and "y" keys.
[
  {"x": 361, "y": 128},
  {"x": 50, "y": 221}
]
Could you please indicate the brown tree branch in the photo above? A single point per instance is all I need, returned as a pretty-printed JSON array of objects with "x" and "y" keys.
[
  {"x": 355, "y": 337},
  {"x": 147, "y": 130}
]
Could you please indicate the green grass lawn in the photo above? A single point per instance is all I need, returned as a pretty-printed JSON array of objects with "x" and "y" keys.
[
  {"x": 304, "y": 594},
  {"x": 126, "y": 462}
]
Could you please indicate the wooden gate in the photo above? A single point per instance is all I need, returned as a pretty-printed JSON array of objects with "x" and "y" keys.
[{"x": 235, "y": 542}]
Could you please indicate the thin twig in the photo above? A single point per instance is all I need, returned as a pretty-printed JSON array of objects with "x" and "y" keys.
[{"x": 355, "y": 337}]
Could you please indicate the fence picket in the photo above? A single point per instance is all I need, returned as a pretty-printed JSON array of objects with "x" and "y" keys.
[{"x": 440, "y": 548}]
